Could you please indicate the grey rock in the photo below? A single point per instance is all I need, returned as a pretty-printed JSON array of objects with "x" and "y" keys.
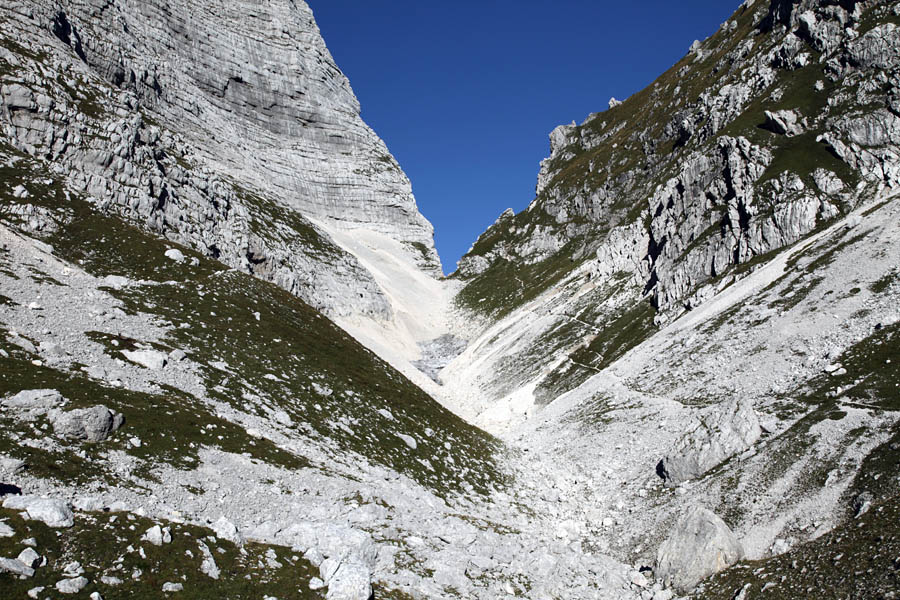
[
  {"x": 18, "y": 97},
  {"x": 175, "y": 254},
  {"x": 88, "y": 504},
  {"x": 699, "y": 545},
  {"x": 226, "y": 530},
  {"x": 351, "y": 581},
  {"x": 328, "y": 568},
  {"x": 93, "y": 424},
  {"x": 34, "y": 399},
  {"x": 408, "y": 440},
  {"x": 15, "y": 567},
  {"x": 11, "y": 466},
  {"x": 878, "y": 48},
  {"x": 116, "y": 281},
  {"x": 151, "y": 359},
  {"x": 52, "y": 511},
  {"x": 314, "y": 557},
  {"x": 6, "y": 531},
  {"x": 29, "y": 558},
  {"x": 786, "y": 122},
  {"x": 208, "y": 566},
  {"x": 723, "y": 432},
  {"x": 862, "y": 503},
  {"x": 316, "y": 584},
  {"x": 154, "y": 535},
  {"x": 169, "y": 587},
  {"x": 71, "y": 586}
]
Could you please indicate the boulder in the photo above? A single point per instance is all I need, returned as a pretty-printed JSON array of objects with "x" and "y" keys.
[
  {"x": 150, "y": 359},
  {"x": 700, "y": 545},
  {"x": 11, "y": 466},
  {"x": 16, "y": 567},
  {"x": 29, "y": 558},
  {"x": 175, "y": 254},
  {"x": 52, "y": 511},
  {"x": 154, "y": 535},
  {"x": 71, "y": 586},
  {"x": 408, "y": 440},
  {"x": 226, "y": 530},
  {"x": 93, "y": 424},
  {"x": 208, "y": 567},
  {"x": 724, "y": 431},
  {"x": 6, "y": 531},
  {"x": 785, "y": 122},
  {"x": 34, "y": 399}
]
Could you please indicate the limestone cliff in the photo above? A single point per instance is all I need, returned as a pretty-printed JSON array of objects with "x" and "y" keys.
[{"x": 223, "y": 125}]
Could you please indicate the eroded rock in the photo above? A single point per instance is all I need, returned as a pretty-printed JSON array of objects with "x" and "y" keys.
[{"x": 699, "y": 545}]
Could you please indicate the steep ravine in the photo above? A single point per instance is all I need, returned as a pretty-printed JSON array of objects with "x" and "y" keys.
[{"x": 686, "y": 330}]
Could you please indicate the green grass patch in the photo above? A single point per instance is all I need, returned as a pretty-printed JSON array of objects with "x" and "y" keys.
[
  {"x": 172, "y": 426},
  {"x": 506, "y": 285},
  {"x": 856, "y": 560},
  {"x": 621, "y": 333},
  {"x": 109, "y": 545}
]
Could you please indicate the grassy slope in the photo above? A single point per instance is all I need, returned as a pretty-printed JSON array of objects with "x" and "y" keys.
[
  {"x": 108, "y": 545},
  {"x": 507, "y": 285},
  {"x": 859, "y": 558},
  {"x": 290, "y": 342}
]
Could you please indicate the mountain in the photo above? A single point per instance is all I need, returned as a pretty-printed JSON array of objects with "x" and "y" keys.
[{"x": 229, "y": 364}]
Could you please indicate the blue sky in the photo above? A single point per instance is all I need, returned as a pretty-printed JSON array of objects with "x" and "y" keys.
[{"x": 465, "y": 93}]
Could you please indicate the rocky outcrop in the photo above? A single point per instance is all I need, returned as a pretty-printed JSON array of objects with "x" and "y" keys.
[
  {"x": 786, "y": 122},
  {"x": 713, "y": 159},
  {"x": 699, "y": 545},
  {"x": 723, "y": 432},
  {"x": 232, "y": 144}
]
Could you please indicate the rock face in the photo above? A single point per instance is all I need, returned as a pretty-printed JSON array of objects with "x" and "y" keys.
[
  {"x": 700, "y": 545},
  {"x": 722, "y": 433},
  {"x": 232, "y": 143},
  {"x": 769, "y": 130}
]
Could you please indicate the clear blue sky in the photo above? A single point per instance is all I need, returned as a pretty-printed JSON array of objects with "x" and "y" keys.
[{"x": 465, "y": 93}]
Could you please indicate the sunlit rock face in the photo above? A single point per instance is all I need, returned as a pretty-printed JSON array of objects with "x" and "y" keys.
[{"x": 264, "y": 128}]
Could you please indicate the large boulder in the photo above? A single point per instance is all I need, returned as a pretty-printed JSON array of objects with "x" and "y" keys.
[
  {"x": 723, "y": 431},
  {"x": 52, "y": 511},
  {"x": 700, "y": 545},
  {"x": 150, "y": 359},
  {"x": 785, "y": 122},
  {"x": 34, "y": 399},
  {"x": 93, "y": 424}
]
